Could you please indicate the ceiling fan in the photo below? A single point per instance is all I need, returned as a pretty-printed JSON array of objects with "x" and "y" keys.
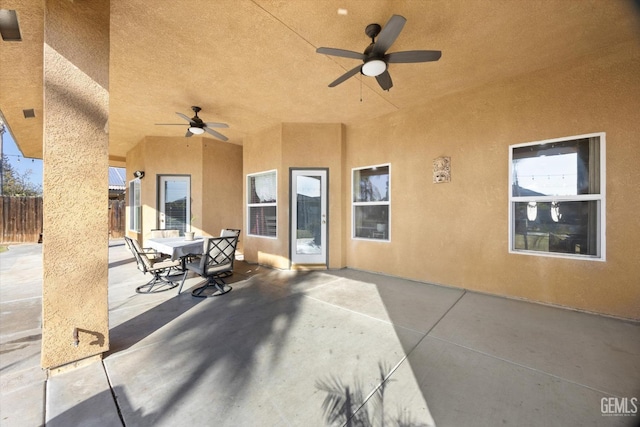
[
  {"x": 375, "y": 59},
  {"x": 197, "y": 126}
]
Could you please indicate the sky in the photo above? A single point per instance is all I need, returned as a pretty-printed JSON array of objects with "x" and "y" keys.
[{"x": 18, "y": 162}]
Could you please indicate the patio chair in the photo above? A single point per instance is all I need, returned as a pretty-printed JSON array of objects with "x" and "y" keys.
[
  {"x": 156, "y": 264},
  {"x": 215, "y": 263},
  {"x": 160, "y": 233}
]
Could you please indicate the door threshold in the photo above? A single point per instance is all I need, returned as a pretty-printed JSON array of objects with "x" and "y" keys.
[{"x": 308, "y": 267}]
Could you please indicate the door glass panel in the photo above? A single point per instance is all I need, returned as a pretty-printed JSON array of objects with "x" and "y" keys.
[
  {"x": 176, "y": 194},
  {"x": 308, "y": 215}
]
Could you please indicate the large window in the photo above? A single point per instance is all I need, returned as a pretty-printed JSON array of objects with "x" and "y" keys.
[
  {"x": 262, "y": 208},
  {"x": 135, "y": 207},
  {"x": 371, "y": 202},
  {"x": 557, "y": 197}
]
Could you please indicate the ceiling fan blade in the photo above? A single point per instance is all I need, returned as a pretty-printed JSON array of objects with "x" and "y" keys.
[
  {"x": 413, "y": 56},
  {"x": 341, "y": 52},
  {"x": 384, "y": 80},
  {"x": 216, "y": 134},
  {"x": 184, "y": 117},
  {"x": 217, "y": 125},
  {"x": 388, "y": 35},
  {"x": 188, "y": 134},
  {"x": 345, "y": 76}
]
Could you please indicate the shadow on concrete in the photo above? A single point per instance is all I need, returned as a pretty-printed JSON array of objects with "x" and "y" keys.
[
  {"x": 218, "y": 341},
  {"x": 347, "y": 404}
]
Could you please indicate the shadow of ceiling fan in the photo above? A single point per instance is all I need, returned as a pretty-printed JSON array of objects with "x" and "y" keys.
[{"x": 197, "y": 126}]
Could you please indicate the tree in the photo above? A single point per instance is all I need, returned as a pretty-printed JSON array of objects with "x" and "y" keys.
[{"x": 16, "y": 184}]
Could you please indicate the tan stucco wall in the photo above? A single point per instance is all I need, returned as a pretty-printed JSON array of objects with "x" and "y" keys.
[
  {"x": 457, "y": 233},
  {"x": 221, "y": 188},
  {"x": 215, "y": 169},
  {"x": 75, "y": 184},
  {"x": 263, "y": 152},
  {"x": 296, "y": 145},
  {"x": 309, "y": 145}
]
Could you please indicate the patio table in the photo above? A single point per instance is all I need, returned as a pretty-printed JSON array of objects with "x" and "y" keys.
[{"x": 176, "y": 247}]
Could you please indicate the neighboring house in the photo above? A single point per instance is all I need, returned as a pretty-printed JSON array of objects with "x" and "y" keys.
[{"x": 117, "y": 183}]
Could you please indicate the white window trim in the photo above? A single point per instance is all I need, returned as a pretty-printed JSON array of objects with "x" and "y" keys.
[
  {"x": 137, "y": 227},
  {"x": 354, "y": 204},
  {"x": 253, "y": 205},
  {"x": 582, "y": 197}
]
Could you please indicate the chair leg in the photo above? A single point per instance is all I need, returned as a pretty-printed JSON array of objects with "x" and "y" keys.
[
  {"x": 157, "y": 284},
  {"x": 214, "y": 282},
  {"x": 183, "y": 279}
]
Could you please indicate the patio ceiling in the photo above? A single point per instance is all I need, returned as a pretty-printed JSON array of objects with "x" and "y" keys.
[{"x": 252, "y": 63}]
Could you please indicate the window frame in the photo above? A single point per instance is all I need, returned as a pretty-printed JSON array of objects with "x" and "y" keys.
[
  {"x": 262, "y": 205},
  {"x": 600, "y": 198},
  {"x": 135, "y": 210},
  {"x": 355, "y": 204}
]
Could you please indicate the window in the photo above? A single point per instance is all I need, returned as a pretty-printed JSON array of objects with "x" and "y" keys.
[
  {"x": 262, "y": 208},
  {"x": 371, "y": 202},
  {"x": 174, "y": 202},
  {"x": 135, "y": 207},
  {"x": 557, "y": 197}
]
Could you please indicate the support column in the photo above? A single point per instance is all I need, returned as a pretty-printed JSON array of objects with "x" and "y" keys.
[{"x": 75, "y": 183}]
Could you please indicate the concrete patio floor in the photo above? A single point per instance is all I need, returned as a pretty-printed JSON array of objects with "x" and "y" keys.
[{"x": 317, "y": 348}]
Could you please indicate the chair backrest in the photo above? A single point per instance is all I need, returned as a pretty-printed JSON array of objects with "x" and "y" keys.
[
  {"x": 219, "y": 254},
  {"x": 141, "y": 258},
  {"x": 226, "y": 232},
  {"x": 160, "y": 233}
]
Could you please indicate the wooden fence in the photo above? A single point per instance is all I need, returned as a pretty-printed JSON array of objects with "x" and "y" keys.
[
  {"x": 22, "y": 219},
  {"x": 117, "y": 218}
]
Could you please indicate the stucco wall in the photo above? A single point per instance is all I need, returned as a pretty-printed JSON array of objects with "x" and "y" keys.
[
  {"x": 215, "y": 169},
  {"x": 309, "y": 145},
  {"x": 221, "y": 188},
  {"x": 263, "y": 152},
  {"x": 297, "y": 145},
  {"x": 75, "y": 184},
  {"x": 457, "y": 233}
]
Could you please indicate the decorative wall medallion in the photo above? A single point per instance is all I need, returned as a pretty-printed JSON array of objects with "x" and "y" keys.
[{"x": 441, "y": 170}]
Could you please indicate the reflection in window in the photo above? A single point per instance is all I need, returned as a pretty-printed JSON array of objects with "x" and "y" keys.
[
  {"x": 557, "y": 202},
  {"x": 371, "y": 202},
  {"x": 262, "y": 192},
  {"x": 176, "y": 191},
  {"x": 135, "y": 206}
]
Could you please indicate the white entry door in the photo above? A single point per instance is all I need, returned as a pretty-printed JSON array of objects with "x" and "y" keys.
[
  {"x": 174, "y": 204},
  {"x": 309, "y": 216}
]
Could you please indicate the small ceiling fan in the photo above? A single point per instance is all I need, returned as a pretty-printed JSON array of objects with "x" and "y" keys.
[
  {"x": 375, "y": 59},
  {"x": 197, "y": 126}
]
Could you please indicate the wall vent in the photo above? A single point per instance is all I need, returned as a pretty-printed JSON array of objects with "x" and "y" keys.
[{"x": 29, "y": 114}]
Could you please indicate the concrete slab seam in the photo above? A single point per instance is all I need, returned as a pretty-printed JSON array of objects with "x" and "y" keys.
[{"x": 529, "y": 368}]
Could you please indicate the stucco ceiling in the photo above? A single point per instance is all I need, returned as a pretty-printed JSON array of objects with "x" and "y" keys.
[{"x": 252, "y": 63}]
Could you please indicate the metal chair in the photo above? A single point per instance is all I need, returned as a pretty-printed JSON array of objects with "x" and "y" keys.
[
  {"x": 156, "y": 264},
  {"x": 215, "y": 263}
]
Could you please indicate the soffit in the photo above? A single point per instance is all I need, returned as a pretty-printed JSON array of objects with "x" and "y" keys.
[{"x": 21, "y": 76}]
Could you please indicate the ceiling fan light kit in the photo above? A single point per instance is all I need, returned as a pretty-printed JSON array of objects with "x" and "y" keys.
[
  {"x": 374, "y": 67},
  {"x": 375, "y": 59},
  {"x": 196, "y": 130}
]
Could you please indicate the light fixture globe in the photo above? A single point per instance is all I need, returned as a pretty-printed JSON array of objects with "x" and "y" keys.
[
  {"x": 373, "y": 68},
  {"x": 196, "y": 130}
]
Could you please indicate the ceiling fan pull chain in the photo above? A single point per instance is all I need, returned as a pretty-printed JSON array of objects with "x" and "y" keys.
[{"x": 360, "y": 88}]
